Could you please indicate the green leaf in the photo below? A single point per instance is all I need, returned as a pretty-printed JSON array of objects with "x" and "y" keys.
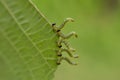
[{"x": 27, "y": 42}]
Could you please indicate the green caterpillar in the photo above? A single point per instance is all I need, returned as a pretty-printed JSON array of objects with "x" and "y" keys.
[{"x": 62, "y": 39}]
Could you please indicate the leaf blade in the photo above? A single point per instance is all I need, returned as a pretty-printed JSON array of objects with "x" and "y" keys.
[{"x": 23, "y": 38}]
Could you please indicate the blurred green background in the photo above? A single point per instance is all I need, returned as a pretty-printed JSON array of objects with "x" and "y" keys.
[{"x": 97, "y": 23}]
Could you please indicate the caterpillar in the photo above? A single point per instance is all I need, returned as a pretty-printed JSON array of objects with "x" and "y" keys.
[{"x": 62, "y": 39}]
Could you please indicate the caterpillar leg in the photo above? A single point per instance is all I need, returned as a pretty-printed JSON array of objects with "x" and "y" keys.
[
  {"x": 66, "y": 59},
  {"x": 65, "y": 21},
  {"x": 59, "y": 53},
  {"x": 68, "y": 35}
]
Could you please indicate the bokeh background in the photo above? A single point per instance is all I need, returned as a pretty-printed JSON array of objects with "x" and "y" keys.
[{"x": 97, "y": 23}]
